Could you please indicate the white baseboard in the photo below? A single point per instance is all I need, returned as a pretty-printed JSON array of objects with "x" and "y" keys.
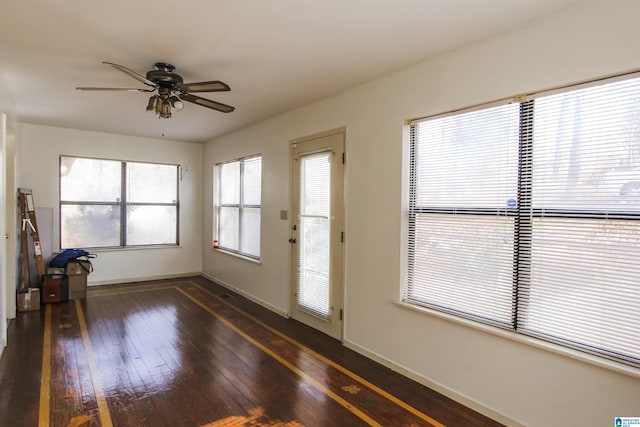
[
  {"x": 442, "y": 389},
  {"x": 142, "y": 279},
  {"x": 247, "y": 295}
]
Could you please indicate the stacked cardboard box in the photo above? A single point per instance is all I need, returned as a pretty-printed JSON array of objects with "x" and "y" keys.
[
  {"x": 29, "y": 300},
  {"x": 77, "y": 271}
]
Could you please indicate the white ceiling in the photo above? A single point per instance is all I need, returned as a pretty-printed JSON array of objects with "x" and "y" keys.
[{"x": 275, "y": 54}]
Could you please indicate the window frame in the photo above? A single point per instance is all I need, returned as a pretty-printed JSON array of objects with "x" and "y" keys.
[
  {"x": 122, "y": 205},
  {"x": 524, "y": 214},
  {"x": 241, "y": 206}
]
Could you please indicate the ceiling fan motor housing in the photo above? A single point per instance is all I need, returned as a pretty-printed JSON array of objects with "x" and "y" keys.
[{"x": 164, "y": 76}]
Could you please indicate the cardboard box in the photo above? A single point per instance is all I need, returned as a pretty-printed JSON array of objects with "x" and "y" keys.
[
  {"x": 77, "y": 286},
  {"x": 54, "y": 270},
  {"x": 78, "y": 267},
  {"x": 30, "y": 300}
]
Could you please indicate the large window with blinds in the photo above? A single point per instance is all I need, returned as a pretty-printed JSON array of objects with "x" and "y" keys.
[{"x": 526, "y": 215}]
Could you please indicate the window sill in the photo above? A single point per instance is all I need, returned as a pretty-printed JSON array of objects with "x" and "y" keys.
[
  {"x": 233, "y": 254},
  {"x": 534, "y": 342}
]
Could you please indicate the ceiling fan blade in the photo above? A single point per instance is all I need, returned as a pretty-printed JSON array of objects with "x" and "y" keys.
[
  {"x": 212, "y": 86},
  {"x": 132, "y": 73},
  {"x": 126, "y": 89},
  {"x": 207, "y": 103}
]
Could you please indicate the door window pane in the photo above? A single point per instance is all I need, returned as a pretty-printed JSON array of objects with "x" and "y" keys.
[
  {"x": 314, "y": 234},
  {"x": 316, "y": 185}
]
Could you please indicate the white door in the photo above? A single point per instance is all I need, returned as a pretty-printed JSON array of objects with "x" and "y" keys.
[
  {"x": 8, "y": 198},
  {"x": 316, "y": 231}
]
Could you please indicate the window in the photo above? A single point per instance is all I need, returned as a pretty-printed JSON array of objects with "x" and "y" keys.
[
  {"x": 238, "y": 206},
  {"x": 111, "y": 203},
  {"x": 526, "y": 216}
]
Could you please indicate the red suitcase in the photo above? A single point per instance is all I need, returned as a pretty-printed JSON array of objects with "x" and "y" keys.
[{"x": 55, "y": 288}]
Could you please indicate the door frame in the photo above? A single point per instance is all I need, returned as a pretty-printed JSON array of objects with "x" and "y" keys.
[
  {"x": 338, "y": 312},
  {"x": 8, "y": 227}
]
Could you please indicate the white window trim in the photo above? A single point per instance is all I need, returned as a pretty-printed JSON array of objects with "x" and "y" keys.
[{"x": 216, "y": 212}]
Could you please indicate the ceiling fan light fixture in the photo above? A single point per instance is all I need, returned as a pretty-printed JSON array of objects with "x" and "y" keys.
[
  {"x": 152, "y": 107},
  {"x": 176, "y": 103},
  {"x": 172, "y": 92},
  {"x": 165, "y": 110}
]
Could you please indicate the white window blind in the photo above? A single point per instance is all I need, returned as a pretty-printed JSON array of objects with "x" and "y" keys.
[
  {"x": 527, "y": 216},
  {"x": 583, "y": 286},
  {"x": 313, "y": 249},
  {"x": 465, "y": 174}
]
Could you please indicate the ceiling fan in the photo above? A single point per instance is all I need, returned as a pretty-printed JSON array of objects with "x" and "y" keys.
[{"x": 171, "y": 90}]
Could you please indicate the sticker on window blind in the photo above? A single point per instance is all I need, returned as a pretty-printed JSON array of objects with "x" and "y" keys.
[{"x": 627, "y": 421}]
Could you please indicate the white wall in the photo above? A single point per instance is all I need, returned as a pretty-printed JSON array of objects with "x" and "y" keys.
[
  {"x": 506, "y": 377},
  {"x": 41, "y": 147}
]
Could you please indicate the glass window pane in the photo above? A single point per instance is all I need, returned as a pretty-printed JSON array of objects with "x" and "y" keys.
[
  {"x": 587, "y": 148},
  {"x": 252, "y": 179},
  {"x": 469, "y": 160},
  {"x": 229, "y": 228},
  {"x": 250, "y": 239},
  {"x": 90, "y": 180},
  {"x": 583, "y": 277},
  {"x": 89, "y": 226},
  {"x": 230, "y": 183},
  {"x": 313, "y": 270},
  {"x": 464, "y": 263},
  {"x": 151, "y": 225},
  {"x": 152, "y": 183},
  {"x": 315, "y": 184}
]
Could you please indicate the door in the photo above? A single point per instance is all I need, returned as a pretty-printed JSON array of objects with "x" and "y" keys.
[
  {"x": 9, "y": 200},
  {"x": 316, "y": 231},
  {"x": 3, "y": 236}
]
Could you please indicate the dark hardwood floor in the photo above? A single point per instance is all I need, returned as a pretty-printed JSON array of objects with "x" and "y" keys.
[{"x": 187, "y": 352}]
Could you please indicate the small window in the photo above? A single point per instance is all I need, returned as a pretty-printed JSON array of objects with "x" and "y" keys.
[
  {"x": 112, "y": 203},
  {"x": 238, "y": 203}
]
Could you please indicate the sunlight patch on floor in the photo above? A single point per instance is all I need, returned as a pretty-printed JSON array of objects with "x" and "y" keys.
[{"x": 256, "y": 418}]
